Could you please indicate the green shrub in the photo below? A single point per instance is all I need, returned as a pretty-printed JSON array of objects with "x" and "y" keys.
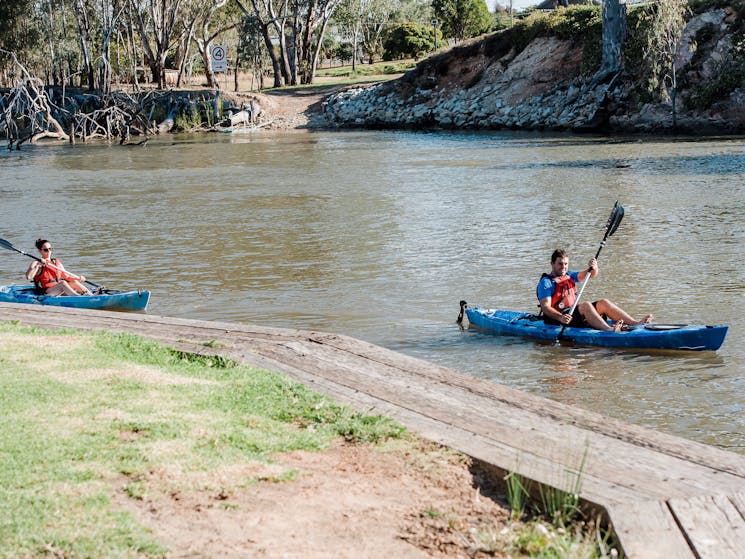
[
  {"x": 408, "y": 40},
  {"x": 188, "y": 120}
]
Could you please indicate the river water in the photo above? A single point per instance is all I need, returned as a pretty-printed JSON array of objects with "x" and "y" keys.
[{"x": 378, "y": 235}]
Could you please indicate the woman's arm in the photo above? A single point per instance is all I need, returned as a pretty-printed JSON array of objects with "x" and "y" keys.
[{"x": 33, "y": 269}]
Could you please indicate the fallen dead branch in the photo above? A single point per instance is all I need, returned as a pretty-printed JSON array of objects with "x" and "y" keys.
[{"x": 31, "y": 111}]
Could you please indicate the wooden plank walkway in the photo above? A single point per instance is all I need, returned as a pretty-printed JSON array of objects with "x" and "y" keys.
[{"x": 666, "y": 497}]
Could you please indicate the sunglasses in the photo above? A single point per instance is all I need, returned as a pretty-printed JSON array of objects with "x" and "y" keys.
[{"x": 48, "y": 249}]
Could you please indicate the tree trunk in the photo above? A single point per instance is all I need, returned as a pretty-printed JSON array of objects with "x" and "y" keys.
[
  {"x": 614, "y": 35},
  {"x": 283, "y": 52},
  {"x": 84, "y": 35},
  {"x": 272, "y": 55},
  {"x": 306, "y": 57},
  {"x": 235, "y": 73},
  {"x": 182, "y": 53}
]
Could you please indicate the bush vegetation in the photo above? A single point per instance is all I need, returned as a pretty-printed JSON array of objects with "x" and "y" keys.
[{"x": 409, "y": 40}]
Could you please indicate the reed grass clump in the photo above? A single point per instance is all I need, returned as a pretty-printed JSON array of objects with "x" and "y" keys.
[{"x": 555, "y": 525}]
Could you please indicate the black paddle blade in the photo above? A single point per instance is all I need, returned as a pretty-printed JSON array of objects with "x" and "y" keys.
[
  {"x": 615, "y": 219},
  {"x": 6, "y": 244}
]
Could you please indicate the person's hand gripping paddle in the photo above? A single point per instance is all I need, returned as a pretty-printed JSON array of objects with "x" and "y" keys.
[{"x": 613, "y": 222}]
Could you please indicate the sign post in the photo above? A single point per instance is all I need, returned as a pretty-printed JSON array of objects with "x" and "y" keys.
[{"x": 219, "y": 58}]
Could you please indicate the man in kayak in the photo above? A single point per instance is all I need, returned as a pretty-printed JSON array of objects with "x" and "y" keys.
[
  {"x": 557, "y": 294},
  {"x": 49, "y": 274}
]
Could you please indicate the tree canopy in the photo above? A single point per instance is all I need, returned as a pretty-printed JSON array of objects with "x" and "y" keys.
[
  {"x": 92, "y": 43},
  {"x": 17, "y": 28},
  {"x": 462, "y": 19},
  {"x": 408, "y": 40}
]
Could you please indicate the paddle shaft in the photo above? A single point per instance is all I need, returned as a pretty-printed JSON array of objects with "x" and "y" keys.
[
  {"x": 613, "y": 222},
  {"x": 9, "y": 246},
  {"x": 587, "y": 280}
]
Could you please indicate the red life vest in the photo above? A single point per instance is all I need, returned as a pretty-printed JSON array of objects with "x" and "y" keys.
[
  {"x": 565, "y": 292},
  {"x": 48, "y": 277}
]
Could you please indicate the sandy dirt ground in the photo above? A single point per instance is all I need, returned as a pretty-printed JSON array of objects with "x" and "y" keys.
[
  {"x": 400, "y": 500},
  {"x": 289, "y": 108}
]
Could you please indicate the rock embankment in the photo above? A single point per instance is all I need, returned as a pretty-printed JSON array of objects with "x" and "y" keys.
[{"x": 541, "y": 88}]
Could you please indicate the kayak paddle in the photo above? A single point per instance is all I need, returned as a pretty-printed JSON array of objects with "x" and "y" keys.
[
  {"x": 614, "y": 221},
  {"x": 9, "y": 246}
]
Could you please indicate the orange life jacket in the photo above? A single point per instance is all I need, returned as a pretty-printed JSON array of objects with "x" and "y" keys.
[
  {"x": 48, "y": 277},
  {"x": 565, "y": 292}
]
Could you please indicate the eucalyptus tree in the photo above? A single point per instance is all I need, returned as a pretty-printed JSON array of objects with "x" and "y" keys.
[
  {"x": 220, "y": 13},
  {"x": 62, "y": 60},
  {"x": 402, "y": 11},
  {"x": 282, "y": 23},
  {"x": 262, "y": 21},
  {"x": 363, "y": 21},
  {"x": 97, "y": 21},
  {"x": 379, "y": 18},
  {"x": 664, "y": 28},
  {"x": 349, "y": 18},
  {"x": 157, "y": 23},
  {"x": 20, "y": 38},
  {"x": 35, "y": 31},
  {"x": 315, "y": 16},
  {"x": 251, "y": 50},
  {"x": 17, "y": 25},
  {"x": 299, "y": 27}
]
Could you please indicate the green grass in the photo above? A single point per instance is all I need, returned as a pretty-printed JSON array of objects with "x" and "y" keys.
[
  {"x": 380, "y": 69},
  {"x": 84, "y": 414},
  {"x": 88, "y": 418},
  {"x": 343, "y": 75}
]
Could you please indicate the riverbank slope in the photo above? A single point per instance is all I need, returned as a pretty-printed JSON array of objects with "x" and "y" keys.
[{"x": 544, "y": 84}]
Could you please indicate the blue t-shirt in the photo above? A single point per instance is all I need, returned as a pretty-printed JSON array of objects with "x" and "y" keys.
[{"x": 547, "y": 286}]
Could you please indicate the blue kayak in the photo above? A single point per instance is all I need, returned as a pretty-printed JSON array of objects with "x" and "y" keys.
[
  {"x": 645, "y": 336},
  {"x": 110, "y": 300}
]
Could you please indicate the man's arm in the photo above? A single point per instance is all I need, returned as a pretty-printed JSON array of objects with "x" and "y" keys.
[
  {"x": 552, "y": 313},
  {"x": 592, "y": 269}
]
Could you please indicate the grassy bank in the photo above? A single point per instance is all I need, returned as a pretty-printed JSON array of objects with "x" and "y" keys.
[
  {"x": 83, "y": 413},
  {"x": 95, "y": 422}
]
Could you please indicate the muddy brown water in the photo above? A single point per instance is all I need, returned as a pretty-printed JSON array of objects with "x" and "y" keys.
[{"x": 378, "y": 235}]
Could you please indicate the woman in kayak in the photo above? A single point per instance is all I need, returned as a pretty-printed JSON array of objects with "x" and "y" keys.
[
  {"x": 557, "y": 294},
  {"x": 50, "y": 276}
]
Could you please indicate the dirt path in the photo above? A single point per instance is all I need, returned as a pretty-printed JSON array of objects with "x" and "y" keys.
[
  {"x": 399, "y": 500},
  {"x": 292, "y": 107}
]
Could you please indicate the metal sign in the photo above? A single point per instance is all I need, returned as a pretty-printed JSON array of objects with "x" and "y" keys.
[{"x": 219, "y": 58}]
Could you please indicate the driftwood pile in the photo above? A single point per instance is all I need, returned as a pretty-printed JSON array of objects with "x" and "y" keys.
[{"x": 31, "y": 111}]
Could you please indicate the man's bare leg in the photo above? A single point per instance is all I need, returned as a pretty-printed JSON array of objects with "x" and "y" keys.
[
  {"x": 616, "y": 313},
  {"x": 593, "y": 318}
]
